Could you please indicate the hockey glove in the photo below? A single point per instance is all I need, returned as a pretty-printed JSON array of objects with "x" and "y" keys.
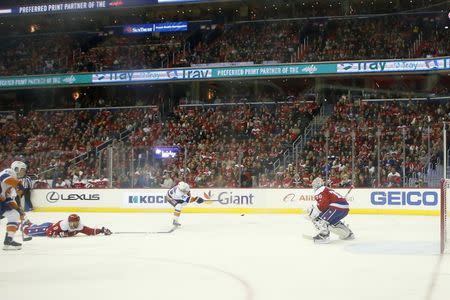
[
  {"x": 105, "y": 231},
  {"x": 200, "y": 200}
]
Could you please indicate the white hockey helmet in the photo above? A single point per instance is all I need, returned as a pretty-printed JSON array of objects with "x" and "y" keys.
[
  {"x": 20, "y": 168},
  {"x": 184, "y": 187},
  {"x": 317, "y": 183}
]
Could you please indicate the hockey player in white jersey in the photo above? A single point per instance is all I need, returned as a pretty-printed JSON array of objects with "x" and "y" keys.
[
  {"x": 10, "y": 187},
  {"x": 179, "y": 196}
]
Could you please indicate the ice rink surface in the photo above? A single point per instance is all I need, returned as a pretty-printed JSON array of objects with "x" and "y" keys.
[{"x": 229, "y": 257}]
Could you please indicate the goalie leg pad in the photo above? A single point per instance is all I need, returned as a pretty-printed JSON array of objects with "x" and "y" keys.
[
  {"x": 322, "y": 226},
  {"x": 313, "y": 212},
  {"x": 342, "y": 231}
]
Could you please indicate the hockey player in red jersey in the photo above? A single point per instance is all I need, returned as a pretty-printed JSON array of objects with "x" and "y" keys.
[
  {"x": 64, "y": 228},
  {"x": 326, "y": 216}
]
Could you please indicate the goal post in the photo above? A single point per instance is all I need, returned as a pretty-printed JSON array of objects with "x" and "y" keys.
[{"x": 445, "y": 194}]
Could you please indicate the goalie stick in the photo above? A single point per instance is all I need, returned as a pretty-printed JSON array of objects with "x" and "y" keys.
[{"x": 348, "y": 192}]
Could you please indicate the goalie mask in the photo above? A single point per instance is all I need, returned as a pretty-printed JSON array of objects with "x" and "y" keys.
[
  {"x": 74, "y": 221},
  {"x": 20, "y": 168},
  {"x": 317, "y": 183}
]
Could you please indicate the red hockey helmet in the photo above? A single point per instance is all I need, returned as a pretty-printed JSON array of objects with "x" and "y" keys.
[
  {"x": 74, "y": 218},
  {"x": 74, "y": 221}
]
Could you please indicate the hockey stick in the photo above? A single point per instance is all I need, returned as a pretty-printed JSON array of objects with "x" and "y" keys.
[
  {"x": 211, "y": 200},
  {"x": 146, "y": 232}
]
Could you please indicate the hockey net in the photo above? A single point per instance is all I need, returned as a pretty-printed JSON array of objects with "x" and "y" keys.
[{"x": 444, "y": 212}]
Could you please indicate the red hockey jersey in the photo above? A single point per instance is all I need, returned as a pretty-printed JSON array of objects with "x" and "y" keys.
[
  {"x": 327, "y": 198},
  {"x": 61, "y": 228}
]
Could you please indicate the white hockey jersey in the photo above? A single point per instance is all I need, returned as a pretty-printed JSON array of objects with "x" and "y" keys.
[
  {"x": 178, "y": 195},
  {"x": 8, "y": 183}
]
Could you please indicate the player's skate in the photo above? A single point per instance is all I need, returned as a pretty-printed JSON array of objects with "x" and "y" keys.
[
  {"x": 322, "y": 238},
  {"x": 26, "y": 223},
  {"x": 350, "y": 237},
  {"x": 10, "y": 244},
  {"x": 176, "y": 223}
]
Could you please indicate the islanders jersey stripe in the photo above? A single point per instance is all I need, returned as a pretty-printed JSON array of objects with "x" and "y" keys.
[{"x": 4, "y": 176}]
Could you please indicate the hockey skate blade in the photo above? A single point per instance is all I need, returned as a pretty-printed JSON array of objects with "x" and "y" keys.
[
  {"x": 11, "y": 248},
  {"x": 311, "y": 238},
  {"x": 351, "y": 237}
]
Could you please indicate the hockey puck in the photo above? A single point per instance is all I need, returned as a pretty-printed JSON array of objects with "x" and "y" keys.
[{"x": 242, "y": 215}]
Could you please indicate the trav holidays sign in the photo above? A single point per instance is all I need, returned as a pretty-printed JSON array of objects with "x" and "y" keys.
[
  {"x": 392, "y": 66},
  {"x": 230, "y": 72},
  {"x": 134, "y": 76}
]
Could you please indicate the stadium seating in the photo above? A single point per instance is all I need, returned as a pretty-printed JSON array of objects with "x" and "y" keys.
[{"x": 255, "y": 42}]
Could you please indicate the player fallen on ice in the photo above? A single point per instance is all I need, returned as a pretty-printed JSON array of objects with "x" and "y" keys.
[
  {"x": 326, "y": 216},
  {"x": 10, "y": 187},
  {"x": 64, "y": 228},
  {"x": 179, "y": 196}
]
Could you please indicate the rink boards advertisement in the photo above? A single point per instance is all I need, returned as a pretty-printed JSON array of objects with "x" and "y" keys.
[{"x": 362, "y": 201}]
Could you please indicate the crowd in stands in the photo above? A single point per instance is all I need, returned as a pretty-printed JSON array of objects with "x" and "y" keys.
[
  {"x": 362, "y": 39},
  {"x": 50, "y": 140},
  {"x": 256, "y": 42},
  {"x": 233, "y": 146},
  {"x": 32, "y": 55},
  {"x": 223, "y": 145},
  {"x": 120, "y": 53},
  {"x": 410, "y": 134},
  {"x": 276, "y": 42},
  {"x": 236, "y": 145}
]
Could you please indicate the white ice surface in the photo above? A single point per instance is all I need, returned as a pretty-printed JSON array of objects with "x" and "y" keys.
[{"x": 232, "y": 257}]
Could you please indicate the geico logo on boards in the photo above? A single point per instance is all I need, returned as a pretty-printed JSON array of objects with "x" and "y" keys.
[
  {"x": 146, "y": 199},
  {"x": 52, "y": 197},
  {"x": 416, "y": 198},
  {"x": 229, "y": 198}
]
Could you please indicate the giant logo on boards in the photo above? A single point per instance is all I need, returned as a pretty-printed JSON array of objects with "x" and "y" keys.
[
  {"x": 404, "y": 198},
  {"x": 230, "y": 198},
  {"x": 53, "y": 197}
]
